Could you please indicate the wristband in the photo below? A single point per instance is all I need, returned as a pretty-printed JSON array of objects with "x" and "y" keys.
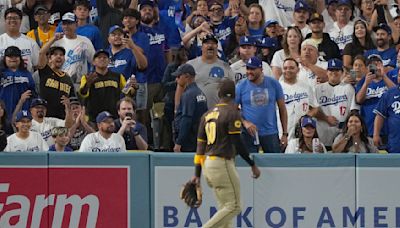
[
  {"x": 285, "y": 134},
  {"x": 199, "y": 159}
]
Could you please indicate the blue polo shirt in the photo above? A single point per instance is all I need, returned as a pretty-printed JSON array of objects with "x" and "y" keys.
[
  {"x": 389, "y": 108},
  {"x": 123, "y": 62},
  {"x": 258, "y": 103}
]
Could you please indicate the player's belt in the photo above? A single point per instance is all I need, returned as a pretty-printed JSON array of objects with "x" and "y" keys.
[{"x": 214, "y": 157}]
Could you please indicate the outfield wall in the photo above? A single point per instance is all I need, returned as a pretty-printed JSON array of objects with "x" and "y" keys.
[{"x": 141, "y": 190}]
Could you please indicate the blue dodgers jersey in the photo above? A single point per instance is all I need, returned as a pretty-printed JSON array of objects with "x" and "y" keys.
[
  {"x": 375, "y": 91},
  {"x": 257, "y": 34},
  {"x": 388, "y": 56},
  {"x": 12, "y": 85},
  {"x": 171, "y": 31},
  {"x": 123, "y": 62},
  {"x": 258, "y": 103},
  {"x": 389, "y": 107},
  {"x": 142, "y": 40},
  {"x": 155, "y": 56},
  {"x": 224, "y": 30}
]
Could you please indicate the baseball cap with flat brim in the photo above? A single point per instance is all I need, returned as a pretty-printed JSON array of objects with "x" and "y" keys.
[
  {"x": 184, "y": 69},
  {"x": 12, "y": 51},
  {"x": 103, "y": 116},
  {"x": 210, "y": 37},
  {"x": 146, "y": 3},
  {"x": 23, "y": 115},
  {"x": 38, "y": 8},
  {"x": 101, "y": 52},
  {"x": 53, "y": 49},
  {"x": 68, "y": 18},
  {"x": 271, "y": 22},
  {"x": 254, "y": 63}
]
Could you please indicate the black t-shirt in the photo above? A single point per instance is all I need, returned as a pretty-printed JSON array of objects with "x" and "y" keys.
[{"x": 53, "y": 86}]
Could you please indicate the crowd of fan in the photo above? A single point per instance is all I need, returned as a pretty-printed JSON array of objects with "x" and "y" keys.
[{"x": 116, "y": 75}]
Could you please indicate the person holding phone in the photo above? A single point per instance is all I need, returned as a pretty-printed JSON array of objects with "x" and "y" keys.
[
  {"x": 133, "y": 132},
  {"x": 369, "y": 91}
]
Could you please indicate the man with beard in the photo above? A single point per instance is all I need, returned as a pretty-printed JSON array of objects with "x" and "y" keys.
[
  {"x": 79, "y": 50},
  {"x": 25, "y": 140},
  {"x": 301, "y": 15},
  {"x": 387, "y": 53},
  {"x": 258, "y": 97},
  {"x": 210, "y": 70},
  {"x": 43, "y": 124},
  {"x": 326, "y": 47},
  {"x": 104, "y": 140},
  {"x": 81, "y": 126},
  {"x": 53, "y": 82}
]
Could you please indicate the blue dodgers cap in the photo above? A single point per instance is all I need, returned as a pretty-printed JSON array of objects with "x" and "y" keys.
[
  {"x": 332, "y": 1},
  {"x": 383, "y": 26},
  {"x": 23, "y": 114},
  {"x": 308, "y": 121},
  {"x": 344, "y": 2},
  {"x": 146, "y": 3},
  {"x": 184, "y": 69},
  {"x": 102, "y": 116},
  {"x": 267, "y": 42},
  {"x": 68, "y": 17},
  {"x": 247, "y": 40},
  {"x": 115, "y": 28},
  {"x": 38, "y": 101},
  {"x": 254, "y": 62},
  {"x": 335, "y": 64},
  {"x": 270, "y": 22},
  {"x": 301, "y": 5}
]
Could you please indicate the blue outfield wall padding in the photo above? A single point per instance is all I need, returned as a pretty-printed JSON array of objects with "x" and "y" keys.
[
  {"x": 305, "y": 160},
  {"x": 138, "y": 164},
  {"x": 378, "y": 160},
  {"x": 23, "y": 158}
]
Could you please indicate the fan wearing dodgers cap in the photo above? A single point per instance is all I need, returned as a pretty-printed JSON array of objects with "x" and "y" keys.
[
  {"x": 259, "y": 96},
  {"x": 342, "y": 29},
  {"x": 104, "y": 140},
  {"x": 384, "y": 49},
  {"x": 301, "y": 14},
  {"x": 79, "y": 49},
  {"x": 25, "y": 140},
  {"x": 54, "y": 83},
  {"x": 336, "y": 100},
  {"x": 369, "y": 91},
  {"x": 247, "y": 49}
]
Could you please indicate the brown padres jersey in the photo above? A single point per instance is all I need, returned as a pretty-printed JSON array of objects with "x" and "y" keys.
[{"x": 215, "y": 127}]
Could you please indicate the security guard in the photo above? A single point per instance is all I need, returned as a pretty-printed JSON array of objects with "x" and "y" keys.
[{"x": 218, "y": 143}]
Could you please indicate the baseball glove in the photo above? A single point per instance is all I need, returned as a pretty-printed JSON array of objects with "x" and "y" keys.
[{"x": 191, "y": 194}]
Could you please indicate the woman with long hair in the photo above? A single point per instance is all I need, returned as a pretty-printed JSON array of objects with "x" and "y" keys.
[
  {"x": 306, "y": 133},
  {"x": 256, "y": 20},
  {"x": 362, "y": 41},
  {"x": 354, "y": 137},
  {"x": 291, "y": 44}
]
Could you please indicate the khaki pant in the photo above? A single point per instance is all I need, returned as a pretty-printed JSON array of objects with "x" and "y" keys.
[{"x": 222, "y": 177}]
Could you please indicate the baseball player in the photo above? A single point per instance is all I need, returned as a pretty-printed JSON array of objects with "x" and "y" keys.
[{"x": 218, "y": 137}]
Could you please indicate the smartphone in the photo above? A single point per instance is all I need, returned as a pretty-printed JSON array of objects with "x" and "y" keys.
[
  {"x": 353, "y": 74},
  {"x": 129, "y": 114},
  {"x": 126, "y": 34},
  {"x": 372, "y": 68}
]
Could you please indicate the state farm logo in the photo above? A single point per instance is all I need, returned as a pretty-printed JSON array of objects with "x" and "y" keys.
[{"x": 59, "y": 197}]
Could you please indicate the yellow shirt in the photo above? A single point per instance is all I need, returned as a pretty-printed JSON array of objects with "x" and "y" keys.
[{"x": 44, "y": 37}]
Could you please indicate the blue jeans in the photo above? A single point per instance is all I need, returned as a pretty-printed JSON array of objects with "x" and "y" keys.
[{"x": 269, "y": 143}]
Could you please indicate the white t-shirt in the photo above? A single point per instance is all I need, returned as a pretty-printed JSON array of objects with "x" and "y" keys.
[
  {"x": 46, "y": 126},
  {"x": 94, "y": 142},
  {"x": 280, "y": 10},
  {"x": 306, "y": 75},
  {"x": 335, "y": 101},
  {"x": 78, "y": 53},
  {"x": 328, "y": 20},
  {"x": 33, "y": 143},
  {"x": 342, "y": 36},
  {"x": 298, "y": 99},
  {"x": 293, "y": 147},
  {"x": 28, "y": 47},
  {"x": 239, "y": 68}
]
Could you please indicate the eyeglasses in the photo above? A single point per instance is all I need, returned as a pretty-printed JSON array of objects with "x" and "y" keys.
[{"x": 13, "y": 18}]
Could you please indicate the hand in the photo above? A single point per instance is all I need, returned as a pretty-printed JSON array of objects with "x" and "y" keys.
[
  {"x": 284, "y": 141},
  {"x": 256, "y": 172},
  {"x": 377, "y": 140},
  {"x": 177, "y": 148},
  {"x": 369, "y": 78},
  {"x": 332, "y": 121},
  {"x": 66, "y": 102},
  {"x": 250, "y": 127},
  {"x": 128, "y": 42},
  {"x": 82, "y": 115},
  {"x": 351, "y": 130},
  {"x": 25, "y": 96},
  {"x": 91, "y": 78},
  {"x": 205, "y": 27},
  {"x": 128, "y": 123},
  {"x": 348, "y": 79},
  {"x": 58, "y": 36}
]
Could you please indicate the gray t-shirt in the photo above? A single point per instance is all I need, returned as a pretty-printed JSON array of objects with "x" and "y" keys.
[{"x": 208, "y": 77}]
